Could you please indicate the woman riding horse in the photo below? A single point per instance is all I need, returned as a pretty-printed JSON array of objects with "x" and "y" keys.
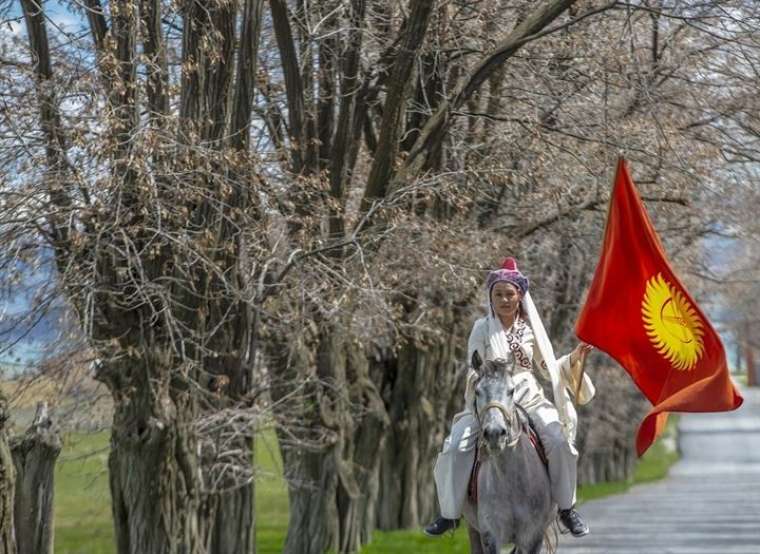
[{"x": 513, "y": 331}]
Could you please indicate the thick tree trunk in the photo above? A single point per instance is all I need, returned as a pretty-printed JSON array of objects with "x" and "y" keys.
[
  {"x": 313, "y": 526},
  {"x": 155, "y": 477},
  {"x": 330, "y": 509},
  {"x": 233, "y": 524},
  {"x": 357, "y": 512},
  {"x": 7, "y": 485},
  {"x": 233, "y": 507},
  {"x": 166, "y": 493},
  {"x": 34, "y": 457},
  {"x": 422, "y": 389}
]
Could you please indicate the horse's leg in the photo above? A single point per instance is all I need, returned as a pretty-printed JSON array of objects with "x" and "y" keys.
[
  {"x": 475, "y": 544},
  {"x": 490, "y": 544},
  {"x": 537, "y": 546}
]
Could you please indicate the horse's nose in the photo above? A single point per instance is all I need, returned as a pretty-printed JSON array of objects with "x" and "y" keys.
[{"x": 494, "y": 433}]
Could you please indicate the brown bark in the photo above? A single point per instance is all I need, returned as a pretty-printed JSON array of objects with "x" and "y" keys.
[
  {"x": 293, "y": 83},
  {"x": 346, "y": 132},
  {"x": 434, "y": 131},
  {"x": 34, "y": 457},
  {"x": 7, "y": 485},
  {"x": 246, "y": 73},
  {"x": 154, "y": 472},
  {"x": 157, "y": 65},
  {"x": 395, "y": 103},
  {"x": 234, "y": 509},
  {"x": 330, "y": 509},
  {"x": 233, "y": 524},
  {"x": 421, "y": 388},
  {"x": 753, "y": 377}
]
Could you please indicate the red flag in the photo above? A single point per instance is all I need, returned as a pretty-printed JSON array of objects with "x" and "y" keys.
[{"x": 640, "y": 314}]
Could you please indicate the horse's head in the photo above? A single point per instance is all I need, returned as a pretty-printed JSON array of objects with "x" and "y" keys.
[{"x": 494, "y": 404}]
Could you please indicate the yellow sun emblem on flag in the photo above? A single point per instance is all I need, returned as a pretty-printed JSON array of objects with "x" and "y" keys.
[{"x": 672, "y": 324}]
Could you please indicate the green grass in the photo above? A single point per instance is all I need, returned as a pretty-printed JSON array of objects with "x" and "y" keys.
[
  {"x": 82, "y": 499},
  {"x": 271, "y": 497},
  {"x": 83, "y": 523},
  {"x": 83, "y": 516}
]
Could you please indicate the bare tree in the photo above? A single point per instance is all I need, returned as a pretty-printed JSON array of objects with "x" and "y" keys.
[{"x": 284, "y": 214}]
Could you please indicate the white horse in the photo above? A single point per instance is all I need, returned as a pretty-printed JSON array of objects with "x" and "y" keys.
[{"x": 514, "y": 504}]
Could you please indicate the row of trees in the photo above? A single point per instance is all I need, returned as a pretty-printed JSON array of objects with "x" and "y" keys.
[{"x": 283, "y": 212}]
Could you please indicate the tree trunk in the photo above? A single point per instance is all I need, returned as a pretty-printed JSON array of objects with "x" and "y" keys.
[
  {"x": 358, "y": 513},
  {"x": 313, "y": 526},
  {"x": 34, "y": 456},
  {"x": 752, "y": 372},
  {"x": 7, "y": 485},
  {"x": 753, "y": 379},
  {"x": 330, "y": 509},
  {"x": 233, "y": 509},
  {"x": 155, "y": 476},
  {"x": 422, "y": 389},
  {"x": 233, "y": 524}
]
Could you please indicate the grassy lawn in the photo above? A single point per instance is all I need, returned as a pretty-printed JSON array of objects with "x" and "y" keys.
[
  {"x": 83, "y": 522},
  {"x": 83, "y": 516},
  {"x": 82, "y": 499}
]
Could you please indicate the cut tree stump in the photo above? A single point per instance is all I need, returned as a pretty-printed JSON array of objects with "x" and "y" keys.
[{"x": 34, "y": 456}]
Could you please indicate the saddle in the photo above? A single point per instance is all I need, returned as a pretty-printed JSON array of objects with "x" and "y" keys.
[{"x": 532, "y": 434}]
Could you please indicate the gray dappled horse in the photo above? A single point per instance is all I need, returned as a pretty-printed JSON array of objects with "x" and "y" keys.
[{"x": 514, "y": 497}]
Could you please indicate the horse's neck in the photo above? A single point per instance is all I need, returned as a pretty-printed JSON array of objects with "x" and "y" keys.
[{"x": 513, "y": 460}]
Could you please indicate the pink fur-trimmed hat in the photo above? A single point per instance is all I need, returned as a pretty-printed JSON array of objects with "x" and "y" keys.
[{"x": 508, "y": 273}]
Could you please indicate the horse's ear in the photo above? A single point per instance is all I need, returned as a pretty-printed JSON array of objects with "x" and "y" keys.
[{"x": 476, "y": 361}]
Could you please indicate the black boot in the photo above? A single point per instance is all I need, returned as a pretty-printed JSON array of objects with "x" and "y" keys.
[
  {"x": 573, "y": 521},
  {"x": 440, "y": 526}
]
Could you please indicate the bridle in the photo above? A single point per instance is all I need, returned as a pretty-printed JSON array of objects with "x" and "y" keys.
[{"x": 512, "y": 419}]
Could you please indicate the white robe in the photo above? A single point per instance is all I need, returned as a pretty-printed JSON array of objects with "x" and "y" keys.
[{"x": 515, "y": 345}]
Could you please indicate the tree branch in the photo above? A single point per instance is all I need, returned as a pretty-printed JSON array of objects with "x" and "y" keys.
[
  {"x": 246, "y": 73},
  {"x": 155, "y": 52},
  {"x": 50, "y": 121},
  {"x": 293, "y": 82},
  {"x": 527, "y": 31},
  {"x": 341, "y": 147},
  {"x": 388, "y": 143}
]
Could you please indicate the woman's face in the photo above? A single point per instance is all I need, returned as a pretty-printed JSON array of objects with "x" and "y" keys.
[{"x": 505, "y": 299}]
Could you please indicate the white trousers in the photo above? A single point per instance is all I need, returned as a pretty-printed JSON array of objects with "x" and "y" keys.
[{"x": 454, "y": 463}]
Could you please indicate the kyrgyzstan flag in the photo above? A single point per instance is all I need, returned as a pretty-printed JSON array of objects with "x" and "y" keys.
[{"x": 640, "y": 314}]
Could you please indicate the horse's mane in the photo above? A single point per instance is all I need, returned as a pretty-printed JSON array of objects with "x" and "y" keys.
[{"x": 495, "y": 368}]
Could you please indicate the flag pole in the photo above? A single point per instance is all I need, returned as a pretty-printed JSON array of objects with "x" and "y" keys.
[{"x": 582, "y": 362}]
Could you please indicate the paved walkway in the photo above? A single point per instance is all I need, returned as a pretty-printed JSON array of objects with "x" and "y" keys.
[{"x": 710, "y": 503}]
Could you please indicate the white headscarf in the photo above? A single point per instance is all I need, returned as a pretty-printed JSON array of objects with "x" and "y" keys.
[{"x": 500, "y": 348}]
